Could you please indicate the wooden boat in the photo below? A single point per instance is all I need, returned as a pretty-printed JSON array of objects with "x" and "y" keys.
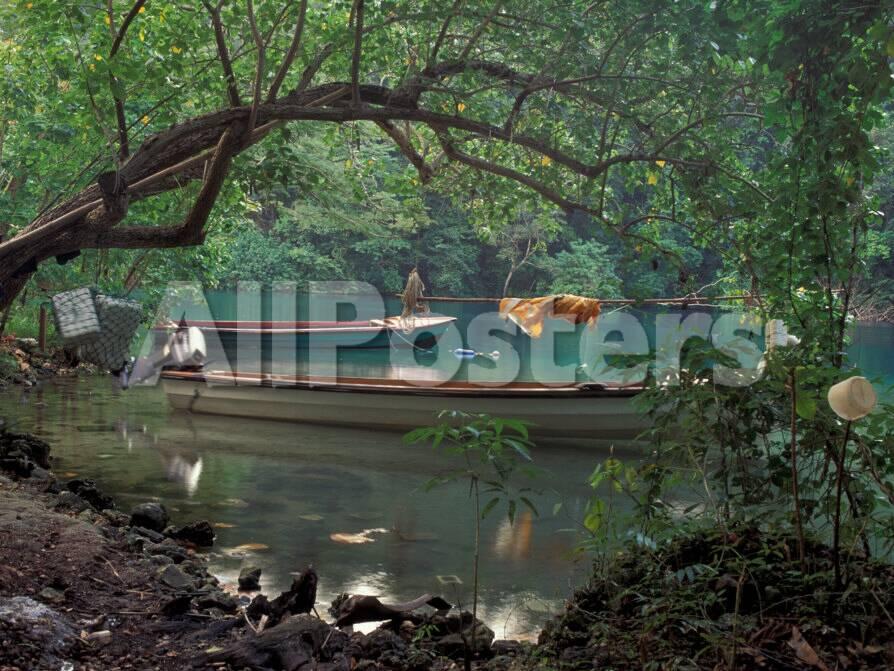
[
  {"x": 374, "y": 333},
  {"x": 580, "y": 411}
]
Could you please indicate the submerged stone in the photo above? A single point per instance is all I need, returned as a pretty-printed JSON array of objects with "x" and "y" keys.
[
  {"x": 198, "y": 533},
  {"x": 250, "y": 578}
]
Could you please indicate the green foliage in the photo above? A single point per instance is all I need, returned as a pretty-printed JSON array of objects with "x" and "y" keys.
[
  {"x": 722, "y": 599},
  {"x": 586, "y": 269},
  {"x": 492, "y": 450}
]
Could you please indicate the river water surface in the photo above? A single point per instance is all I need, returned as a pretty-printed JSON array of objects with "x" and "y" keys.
[
  {"x": 289, "y": 487},
  {"x": 278, "y": 492}
]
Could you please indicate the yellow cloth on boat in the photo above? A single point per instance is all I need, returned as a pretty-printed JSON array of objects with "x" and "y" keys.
[{"x": 529, "y": 313}]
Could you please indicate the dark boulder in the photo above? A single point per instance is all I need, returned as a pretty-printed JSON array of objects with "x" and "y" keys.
[
  {"x": 152, "y": 516},
  {"x": 217, "y": 599},
  {"x": 149, "y": 534},
  {"x": 250, "y": 578},
  {"x": 175, "y": 578},
  {"x": 21, "y": 452},
  {"x": 383, "y": 643},
  {"x": 70, "y": 501},
  {"x": 199, "y": 533},
  {"x": 88, "y": 491},
  {"x": 453, "y": 632},
  {"x": 174, "y": 552},
  {"x": 179, "y": 604}
]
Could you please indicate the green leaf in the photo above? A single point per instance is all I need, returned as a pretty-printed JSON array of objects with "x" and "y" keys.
[
  {"x": 805, "y": 406},
  {"x": 530, "y": 505},
  {"x": 489, "y": 506}
]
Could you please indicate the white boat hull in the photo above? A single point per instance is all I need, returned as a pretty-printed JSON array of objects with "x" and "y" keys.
[{"x": 566, "y": 412}]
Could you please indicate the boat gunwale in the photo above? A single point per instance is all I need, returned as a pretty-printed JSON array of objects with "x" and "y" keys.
[
  {"x": 403, "y": 387},
  {"x": 308, "y": 327}
]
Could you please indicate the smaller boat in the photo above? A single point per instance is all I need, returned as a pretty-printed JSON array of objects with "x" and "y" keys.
[{"x": 420, "y": 331}]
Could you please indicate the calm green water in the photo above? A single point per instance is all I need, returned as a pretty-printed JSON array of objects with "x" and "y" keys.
[{"x": 291, "y": 486}]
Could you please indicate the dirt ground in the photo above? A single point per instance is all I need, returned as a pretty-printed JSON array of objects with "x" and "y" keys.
[{"x": 91, "y": 580}]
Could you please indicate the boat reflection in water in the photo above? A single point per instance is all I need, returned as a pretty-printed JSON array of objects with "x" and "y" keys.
[
  {"x": 513, "y": 538},
  {"x": 185, "y": 469}
]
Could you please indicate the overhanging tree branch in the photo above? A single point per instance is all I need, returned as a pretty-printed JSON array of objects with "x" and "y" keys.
[
  {"x": 259, "y": 69},
  {"x": 357, "y": 14},
  {"x": 406, "y": 148},
  {"x": 290, "y": 55},
  {"x": 223, "y": 53}
]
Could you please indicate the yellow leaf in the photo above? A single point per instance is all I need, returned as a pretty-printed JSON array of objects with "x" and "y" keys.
[
  {"x": 460, "y": 107},
  {"x": 108, "y": 20},
  {"x": 142, "y": 35},
  {"x": 29, "y": 5},
  {"x": 349, "y": 163},
  {"x": 142, "y": 9},
  {"x": 97, "y": 57},
  {"x": 92, "y": 66},
  {"x": 660, "y": 164},
  {"x": 176, "y": 49},
  {"x": 145, "y": 119},
  {"x": 545, "y": 160},
  {"x": 652, "y": 179}
]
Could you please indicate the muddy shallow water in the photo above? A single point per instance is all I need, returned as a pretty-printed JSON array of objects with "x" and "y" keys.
[{"x": 278, "y": 492}]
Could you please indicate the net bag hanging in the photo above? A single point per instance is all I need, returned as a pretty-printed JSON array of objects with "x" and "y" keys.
[
  {"x": 76, "y": 318},
  {"x": 119, "y": 320}
]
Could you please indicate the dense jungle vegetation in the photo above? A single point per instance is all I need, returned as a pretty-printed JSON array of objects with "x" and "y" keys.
[{"x": 651, "y": 159}]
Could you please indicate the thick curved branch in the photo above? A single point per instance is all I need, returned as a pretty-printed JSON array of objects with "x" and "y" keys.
[
  {"x": 479, "y": 31},
  {"x": 442, "y": 33},
  {"x": 283, "y": 70},
  {"x": 259, "y": 69},
  {"x": 122, "y": 31},
  {"x": 406, "y": 148},
  {"x": 223, "y": 54},
  {"x": 314, "y": 66},
  {"x": 357, "y": 13},
  {"x": 495, "y": 169},
  {"x": 192, "y": 230},
  {"x": 115, "y": 85}
]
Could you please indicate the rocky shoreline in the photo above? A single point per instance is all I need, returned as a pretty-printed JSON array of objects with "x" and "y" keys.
[
  {"x": 84, "y": 586},
  {"x": 22, "y": 362}
]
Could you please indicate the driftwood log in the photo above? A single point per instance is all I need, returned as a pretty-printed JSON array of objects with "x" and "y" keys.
[
  {"x": 357, "y": 609},
  {"x": 300, "y": 598},
  {"x": 303, "y": 641}
]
